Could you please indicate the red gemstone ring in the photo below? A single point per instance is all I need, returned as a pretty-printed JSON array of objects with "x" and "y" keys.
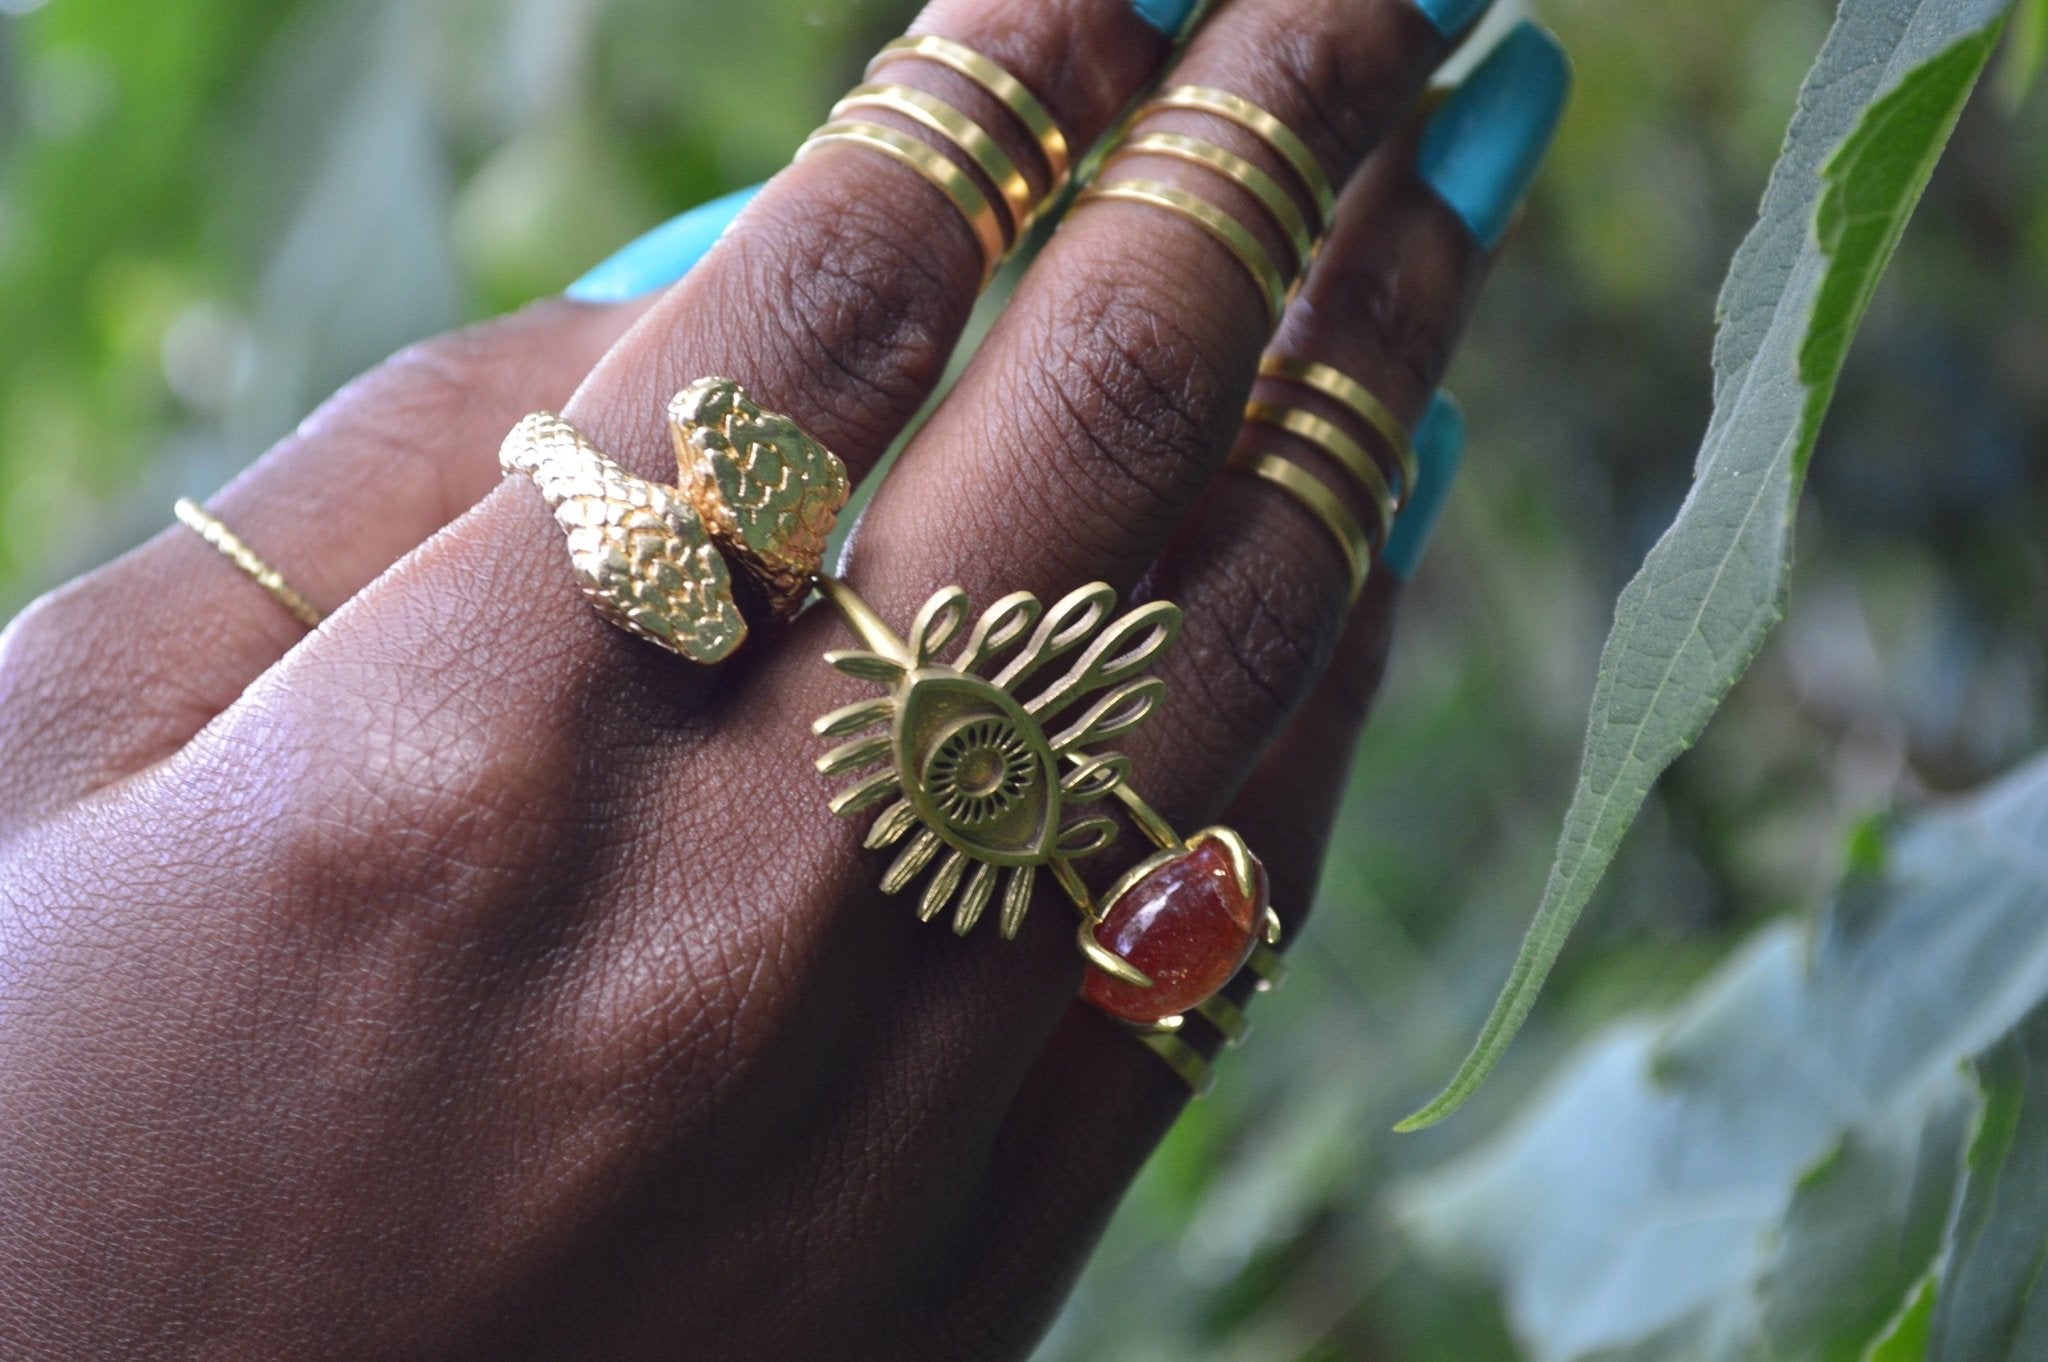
[{"x": 984, "y": 759}]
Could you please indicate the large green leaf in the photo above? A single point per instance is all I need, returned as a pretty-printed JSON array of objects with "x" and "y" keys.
[
  {"x": 1991, "y": 1308},
  {"x": 1874, "y": 115},
  {"x": 1767, "y": 1174}
]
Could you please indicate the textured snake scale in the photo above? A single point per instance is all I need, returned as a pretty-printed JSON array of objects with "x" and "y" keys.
[{"x": 654, "y": 558}]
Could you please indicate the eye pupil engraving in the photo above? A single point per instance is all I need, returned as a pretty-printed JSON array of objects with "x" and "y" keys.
[{"x": 980, "y": 771}]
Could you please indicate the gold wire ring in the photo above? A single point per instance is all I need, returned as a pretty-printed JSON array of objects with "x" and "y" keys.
[
  {"x": 990, "y": 76},
  {"x": 208, "y": 527},
  {"x": 1348, "y": 392},
  {"x": 949, "y": 179},
  {"x": 1326, "y": 506},
  {"x": 1279, "y": 205},
  {"x": 963, "y": 132},
  {"x": 1213, "y": 220},
  {"x": 1342, "y": 450},
  {"x": 1255, "y": 120}
]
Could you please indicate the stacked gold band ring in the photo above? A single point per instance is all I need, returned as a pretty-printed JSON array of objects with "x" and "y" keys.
[
  {"x": 1342, "y": 449},
  {"x": 1264, "y": 126},
  {"x": 990, "y": 76},
  {"x": 998, "y": 216},
  {"x": 208, "y": 527},
  {"x": 1274, "y": 201}
]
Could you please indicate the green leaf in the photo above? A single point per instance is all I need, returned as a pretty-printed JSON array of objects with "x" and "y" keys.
[
  {"x": 1769, "y": 1172},
  {"x": 1873, "y": 117},
  {"x": 1905, "y": 1338},
  {"x": 2023, "y": 53},
  {"x": 1991, "y": 1305}
]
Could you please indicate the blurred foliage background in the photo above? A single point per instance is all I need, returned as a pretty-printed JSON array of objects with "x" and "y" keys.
[{"x": 211, "y": 214}]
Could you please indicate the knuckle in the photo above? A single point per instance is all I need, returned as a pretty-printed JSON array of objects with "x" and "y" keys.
[
  {"x": 1406, "y": 335},
  {"x": 1144, "y": 398},
  {"x": 872, "y": 294},
  {"x": 1266, "y": 640}
]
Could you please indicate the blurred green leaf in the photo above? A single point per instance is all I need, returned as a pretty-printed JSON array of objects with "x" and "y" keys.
[
  {"x": 1905, "y": 1338},
  {"x": 1876, "y": 112},
  {"x": 1991, "y": 1308},
  {"x": 1769, "y": 1173},
  {"x": 2024, "y": 52}
]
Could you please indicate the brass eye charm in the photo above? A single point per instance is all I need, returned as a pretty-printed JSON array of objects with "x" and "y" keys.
[{"x": 980, "y": 758}]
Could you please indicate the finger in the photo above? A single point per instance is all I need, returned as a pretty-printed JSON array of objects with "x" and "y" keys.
[
  {"x": 120, "y": 667},
  {"x": 1098, "y": 1101},
  {"x": 1265, "y": 585},
  {"x": 1106, "y": 396}
]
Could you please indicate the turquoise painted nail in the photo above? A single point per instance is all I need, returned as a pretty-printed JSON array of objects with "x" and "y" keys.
[
  {"x": 1165, "y": 15},
  {"x": 1439, "y": 449},
  {"x": 1452, "y": 17},
  {"x": 1482, "y": 147},
  {"x": 662, "y": 256}
]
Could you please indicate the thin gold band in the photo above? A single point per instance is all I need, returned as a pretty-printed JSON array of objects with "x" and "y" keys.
[
  {"x": 195, "y": 518},
  {"x": 1326, "y": 506},
  {"x": 1184, "y": 1059},
  {"x": 1279, "y": 206},
  {"x": 990, "y": 76},
  {"x": 1255, "y": 120},
  {"x": 1213, "y": 220},
  {"x": 1348, "y": 392},
  {"x": 963, "y": 132},
  {"x": 1342, "y": 450},
  {"x": 932, "y": 164}
]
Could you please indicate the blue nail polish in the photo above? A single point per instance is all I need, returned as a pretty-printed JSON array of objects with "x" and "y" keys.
[
  {"x": 1439, "y": 449},
  {"x": 1165, "y": 15},
  {"x": 1482, "y": 147},
  {"x": 663, "y": 256},
  {"x": 1452, "y": 17}
]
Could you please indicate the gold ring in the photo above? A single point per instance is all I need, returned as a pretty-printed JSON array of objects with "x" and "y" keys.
[
  {"x": 949, "y": 179},
  {"x": 963, "y": 132},
  {"x": 1325, "y": 505},
  {"x": 208, "y": 527},
  {"x": 1348, "y": 392},
  {"x": 1279, "y": 206},
  {"x": 1341, "y": 449},
  {"x": 1211, "y": 219},
  {"x": 990, "y": 76},
  {"x": 1255, "y": 120}
]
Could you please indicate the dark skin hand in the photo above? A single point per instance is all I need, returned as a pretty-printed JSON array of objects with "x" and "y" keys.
[{"x": 469, "y": 979}]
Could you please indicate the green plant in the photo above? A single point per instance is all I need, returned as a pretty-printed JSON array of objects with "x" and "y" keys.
[{"x": 1874, "y": 116}]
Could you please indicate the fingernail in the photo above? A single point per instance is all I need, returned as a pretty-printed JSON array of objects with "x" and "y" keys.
[
  {"x": 1439, "y": 449},
  {"x": 1452, "y": 17},
  {"x": 664, "y": 255},
  {"x": 1482, "y": 147},
  {"x": 1165, "y": 15}
]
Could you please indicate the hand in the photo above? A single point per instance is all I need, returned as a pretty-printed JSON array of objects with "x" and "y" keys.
[{"x": 467, "y": 978}]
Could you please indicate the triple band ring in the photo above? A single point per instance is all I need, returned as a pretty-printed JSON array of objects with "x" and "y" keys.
[
  {"x": 1303, "y": 230},
  {"x": 999, "y": 214}
]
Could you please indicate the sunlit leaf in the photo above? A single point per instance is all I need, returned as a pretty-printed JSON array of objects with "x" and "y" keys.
[{"x": 1874, "y": 116}]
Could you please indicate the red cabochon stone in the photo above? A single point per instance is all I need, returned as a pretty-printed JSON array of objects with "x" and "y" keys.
[{"x": 1187, "y": 926}]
